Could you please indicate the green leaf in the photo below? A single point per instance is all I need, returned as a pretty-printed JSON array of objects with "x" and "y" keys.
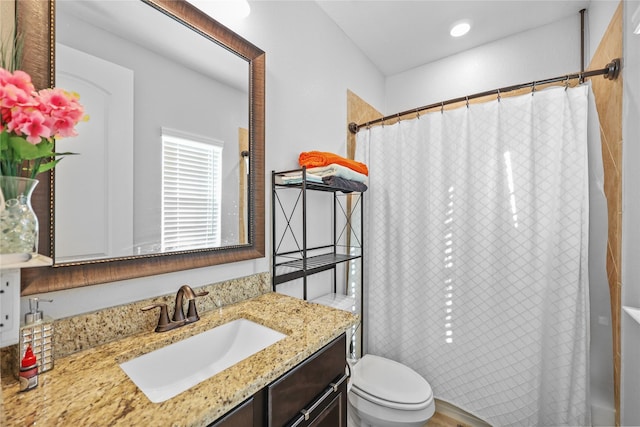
[
  {"x": 4, "y": 142},
  {"x": 47, "y": 166},
  {"x": 23, "y": 149},
  {"x": 20, "y": 157}
]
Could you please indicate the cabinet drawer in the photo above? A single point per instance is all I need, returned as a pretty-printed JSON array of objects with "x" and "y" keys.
[
  {"x": 291, "y": 393},
  {"x": 327, "y": 410}
]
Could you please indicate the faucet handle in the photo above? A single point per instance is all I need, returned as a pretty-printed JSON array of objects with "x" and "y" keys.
[
  {"x": 192, "y": 312},
  {"x": 163, "y": 320},
  {"x": 164, "y": 324}
]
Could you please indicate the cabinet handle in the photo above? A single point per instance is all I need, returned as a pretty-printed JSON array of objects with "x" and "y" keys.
[{"x": 306, "y": 413}]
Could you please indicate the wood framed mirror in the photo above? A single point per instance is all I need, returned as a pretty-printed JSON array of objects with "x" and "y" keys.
[{"x": 36, "y": 21}]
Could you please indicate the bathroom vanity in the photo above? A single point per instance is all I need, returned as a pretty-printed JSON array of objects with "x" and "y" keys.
[
  {"x": 305, "y": 371},
  {"x": 313, "y": 393}
]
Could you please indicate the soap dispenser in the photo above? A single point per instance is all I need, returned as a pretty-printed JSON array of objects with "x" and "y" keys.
[{"x": 37, "y": 332}]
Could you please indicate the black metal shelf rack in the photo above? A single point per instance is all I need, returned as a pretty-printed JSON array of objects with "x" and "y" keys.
[{"x": 303, "y": 260}]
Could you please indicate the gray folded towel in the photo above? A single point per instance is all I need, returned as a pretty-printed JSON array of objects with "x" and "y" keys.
[{"x": 344, "y": 185}]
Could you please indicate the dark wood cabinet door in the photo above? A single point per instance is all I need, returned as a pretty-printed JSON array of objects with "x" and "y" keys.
[
  {"x": 241, "y": 416},
  {"x": 314, "y": 393},
  {"x": 334, "y": 413},
  {"x": 303, "y": 385}
]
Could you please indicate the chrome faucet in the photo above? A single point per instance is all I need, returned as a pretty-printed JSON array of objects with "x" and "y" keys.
[{"x": 179, "y": 319}]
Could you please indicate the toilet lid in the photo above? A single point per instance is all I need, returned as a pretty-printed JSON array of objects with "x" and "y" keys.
[{"x": 390, "y": 381}]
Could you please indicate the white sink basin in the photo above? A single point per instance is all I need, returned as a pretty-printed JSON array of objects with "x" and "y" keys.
[{"x": 168, "y": 371}]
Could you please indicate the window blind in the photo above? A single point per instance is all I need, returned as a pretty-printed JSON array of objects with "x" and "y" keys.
[{"x": 191, "y": 192}]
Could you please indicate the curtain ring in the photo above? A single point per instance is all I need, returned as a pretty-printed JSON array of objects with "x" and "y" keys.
[
  {"x": 417, "y": 113},
  {"x": 566, "y": 83},
  {"x": 467, "y": 98},
  {"x": 442, "y": 107},
  {"x": 498, "y": 95},
  {"x": 533, "y": 88},
  {"x": 398, "y": 117}
]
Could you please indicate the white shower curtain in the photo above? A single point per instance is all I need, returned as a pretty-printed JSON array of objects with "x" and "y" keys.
[{"x": 476, "y": 234}]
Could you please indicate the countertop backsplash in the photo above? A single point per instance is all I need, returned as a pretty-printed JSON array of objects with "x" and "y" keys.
[{"x": 84, "y": 331}]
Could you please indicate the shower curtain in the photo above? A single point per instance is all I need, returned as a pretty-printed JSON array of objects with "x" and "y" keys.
[{"x": 476, "y": 257}]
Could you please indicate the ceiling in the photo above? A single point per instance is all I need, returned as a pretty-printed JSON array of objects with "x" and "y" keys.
[{"x": 399, "y": 35}]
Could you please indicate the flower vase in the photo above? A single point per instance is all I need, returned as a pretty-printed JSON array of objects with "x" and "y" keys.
[{"x": 18, "y": 221}]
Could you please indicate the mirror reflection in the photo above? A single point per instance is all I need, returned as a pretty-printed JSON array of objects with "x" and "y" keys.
[{"x": 161, "y": 164}]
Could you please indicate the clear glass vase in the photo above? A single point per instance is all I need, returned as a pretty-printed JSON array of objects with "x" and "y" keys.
[{"x": 18, "y": 221}]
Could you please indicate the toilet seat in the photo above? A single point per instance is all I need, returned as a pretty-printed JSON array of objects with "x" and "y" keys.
[{"x": 391, "y": 384}]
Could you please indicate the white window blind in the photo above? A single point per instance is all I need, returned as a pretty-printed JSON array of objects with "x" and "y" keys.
[{"x": 191, "y": 191}]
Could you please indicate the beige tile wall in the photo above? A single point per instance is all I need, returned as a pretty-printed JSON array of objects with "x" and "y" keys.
[{"x": 608, "y": 96}]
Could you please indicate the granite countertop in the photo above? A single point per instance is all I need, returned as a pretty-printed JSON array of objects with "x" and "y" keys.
[{"x": 89, "y": 388}]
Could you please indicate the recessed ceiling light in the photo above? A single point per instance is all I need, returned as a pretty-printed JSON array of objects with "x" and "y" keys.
[{"x": 460, "y": 29}]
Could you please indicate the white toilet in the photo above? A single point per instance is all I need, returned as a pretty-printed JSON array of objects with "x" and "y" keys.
[{"x": 385, "y": 393}]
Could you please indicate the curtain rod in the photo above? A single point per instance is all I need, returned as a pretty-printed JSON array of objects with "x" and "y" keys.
[{"x": 610, "y": 71}]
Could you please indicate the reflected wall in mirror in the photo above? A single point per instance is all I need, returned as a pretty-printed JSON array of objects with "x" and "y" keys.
[
  {"x": 162, "y": 154},
  {"x": 170, "y": 171}
]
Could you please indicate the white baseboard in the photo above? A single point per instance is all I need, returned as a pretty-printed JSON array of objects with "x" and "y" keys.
[{"x": 602, "y": 416}]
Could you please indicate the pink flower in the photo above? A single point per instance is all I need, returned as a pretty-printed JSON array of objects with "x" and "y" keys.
[
  {"x": 16, "y": 93},
  {"x": 63, "y": 109},
  {"x": 34, "y": 117},
  {"x": 30, "y": 123},
  {"x": 19, "y": 79}
]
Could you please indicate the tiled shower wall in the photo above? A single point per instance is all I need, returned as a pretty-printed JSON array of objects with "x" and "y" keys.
[{"x": 608, "y": 97}]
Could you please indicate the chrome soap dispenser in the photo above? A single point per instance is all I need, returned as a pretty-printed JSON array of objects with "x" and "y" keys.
[{"x": 37, "y": 332}]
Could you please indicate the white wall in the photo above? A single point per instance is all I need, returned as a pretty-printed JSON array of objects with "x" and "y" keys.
[
  {"x": 310, "y": 66},
  {"x": 630, "y": 407},
  {"x": 599, "y": 14},
  {"x": 549, "y": 51}
]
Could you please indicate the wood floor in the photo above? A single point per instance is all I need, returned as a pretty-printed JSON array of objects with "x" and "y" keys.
[
  {"x": 440, "y": 420},
  {"x": 446, "y": 419}
]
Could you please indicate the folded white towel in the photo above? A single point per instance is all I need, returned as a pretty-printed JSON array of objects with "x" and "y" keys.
[
  {"x": 335, "y": 169},
  {"x": 296, "y": 178}
]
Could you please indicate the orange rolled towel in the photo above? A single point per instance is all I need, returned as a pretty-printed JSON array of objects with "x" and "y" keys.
[{"x": 313, "y": 159}]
